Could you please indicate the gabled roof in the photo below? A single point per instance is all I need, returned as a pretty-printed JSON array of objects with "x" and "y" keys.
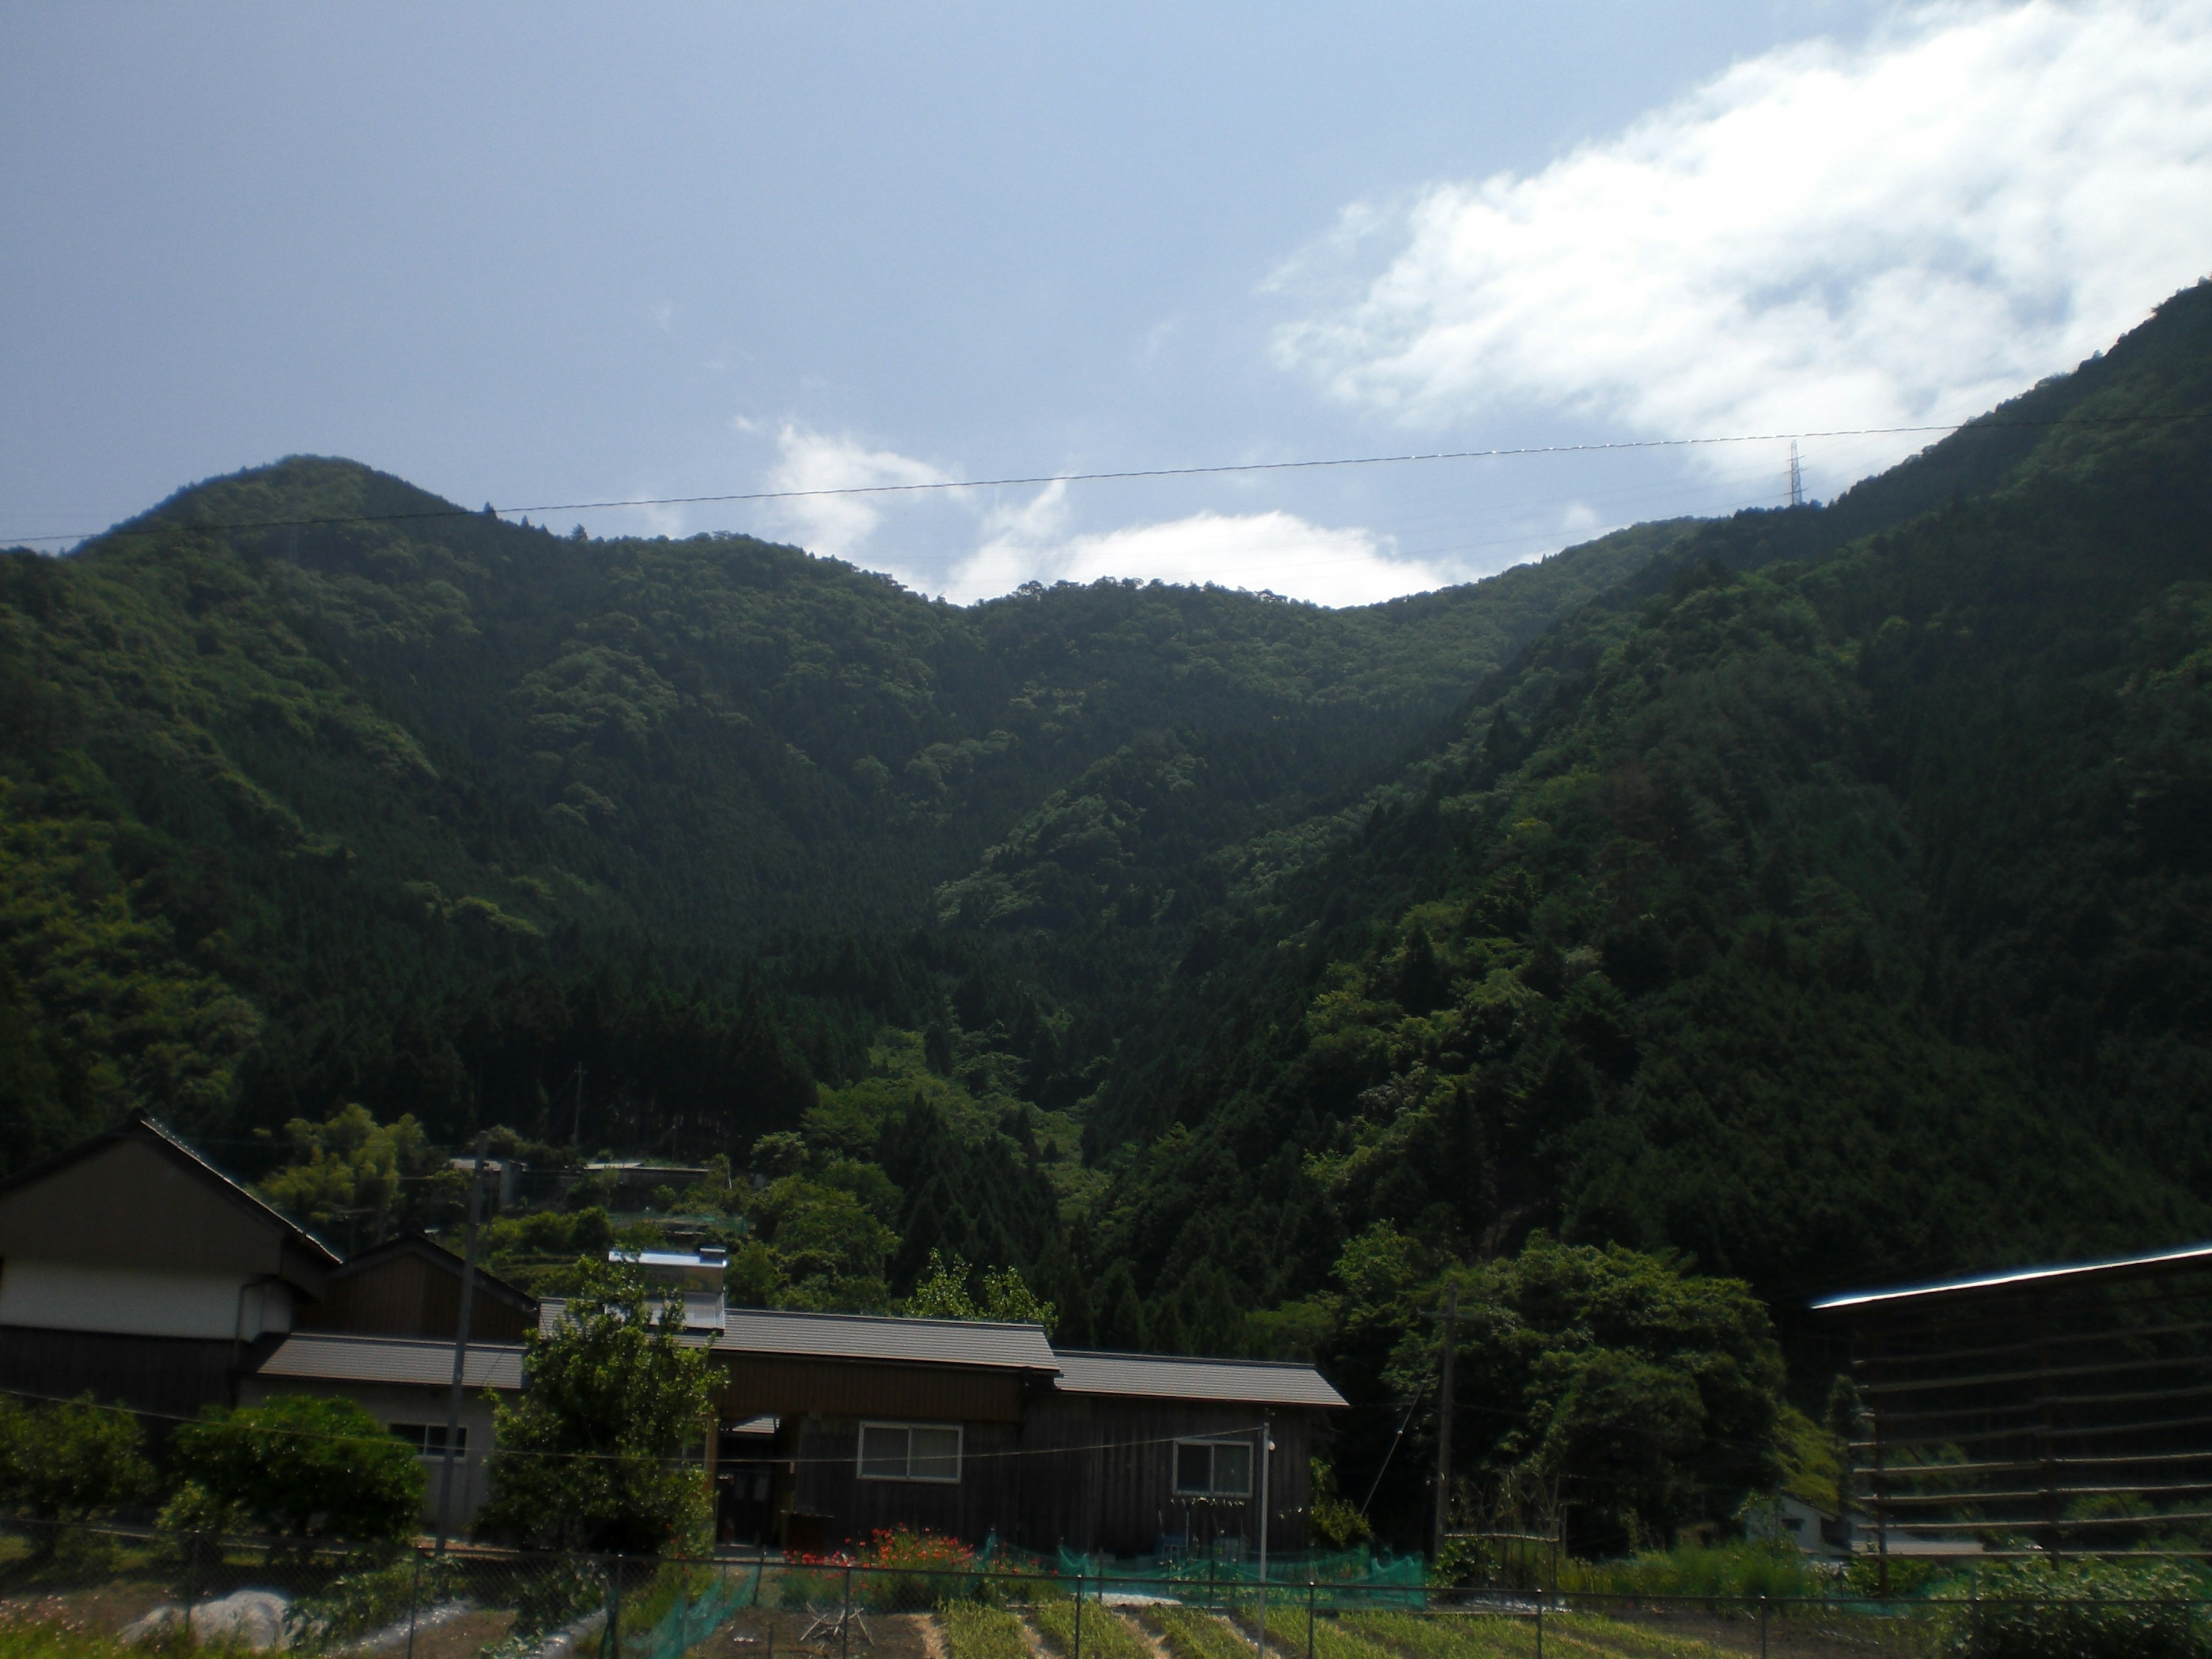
[
  {"x": 2065, "y": 1276},
  {"x": 147, "y": 1131},
  {"x": 1177, "y": 1376},
  {"x": 316, "y": 1356},
  {"x": 438, "y": 1256},
  {"x": 965, "y": 1342}
]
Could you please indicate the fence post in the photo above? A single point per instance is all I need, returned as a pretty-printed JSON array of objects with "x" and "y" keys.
[
  {"x": 1078, "y": 1613},
  {"x": 845, "y": 1616},
  {"x": 614, "y": 1608},
  {"x": 1762, "y": 1627},
  {"x": 1312, "y": 1593},
  {"x": 414, "y": 1597},
  {"x": 1540, "y": 1627}
]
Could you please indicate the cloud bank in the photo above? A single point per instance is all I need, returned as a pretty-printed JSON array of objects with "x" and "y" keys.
[
  {"x": 1906, "y": 231},
  {"x": 1032, "y": 542},
  {"x": 1278, "y": 551}
]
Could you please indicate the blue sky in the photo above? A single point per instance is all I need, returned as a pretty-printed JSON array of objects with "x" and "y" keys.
[{"x": 548, "y": 254}]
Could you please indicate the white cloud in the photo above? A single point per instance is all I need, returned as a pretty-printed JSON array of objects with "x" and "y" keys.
[
  {"x": 1277, "y": 551},
  {"x": 1822, "y": 237},
  {"x": 837, "y": 524}
]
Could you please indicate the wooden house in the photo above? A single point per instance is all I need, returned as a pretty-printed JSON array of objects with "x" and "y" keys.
[
  {"x": 133, "y": 1269},
  {"x": 833, "y": 1427}
]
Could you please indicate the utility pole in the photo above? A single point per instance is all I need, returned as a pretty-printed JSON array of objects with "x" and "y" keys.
[
  {"x": 1796, "y": 477},
  {"x": 1266, "y": 1445},
  {"x": 1444, "y": 1423},
  {"x": 461, "y": 1341}
]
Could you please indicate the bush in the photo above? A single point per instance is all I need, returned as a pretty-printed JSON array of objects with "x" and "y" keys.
[
  {"x": 2042, "y": 1609},
  {"x": 64, "y": 1463},
  {"x": 590, "y": 1456},
  {"x": 1723, "y": 1571},
  {"x": 303, "y": 1468}
]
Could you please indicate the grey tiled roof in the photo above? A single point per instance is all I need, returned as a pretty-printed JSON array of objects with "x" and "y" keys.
[
  {"x": 403, "y": 1359},
  {"x": 969, "y": 1342},
  {"x": 1173, "y": 1377}
]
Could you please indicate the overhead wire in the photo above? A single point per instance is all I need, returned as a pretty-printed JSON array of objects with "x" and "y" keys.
[{"x": 1209, "y": 470}]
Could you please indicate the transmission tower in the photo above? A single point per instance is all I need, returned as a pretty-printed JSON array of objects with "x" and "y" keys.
[{"x": 1796, "y": 477}]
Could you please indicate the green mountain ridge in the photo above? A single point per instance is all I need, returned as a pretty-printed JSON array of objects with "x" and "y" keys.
[{"x": 1817, "y": 895}]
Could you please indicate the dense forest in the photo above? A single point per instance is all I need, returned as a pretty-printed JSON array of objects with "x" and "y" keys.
[{"x": 1808, "y": 898}]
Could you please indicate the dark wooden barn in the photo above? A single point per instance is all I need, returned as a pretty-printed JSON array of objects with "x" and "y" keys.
[{"x": 837, "y": 1426}]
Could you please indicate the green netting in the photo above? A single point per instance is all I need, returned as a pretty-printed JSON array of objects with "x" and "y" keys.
[
  {"x": 696, "y": 1616},
  {"x": 1332, "y": 1578}
]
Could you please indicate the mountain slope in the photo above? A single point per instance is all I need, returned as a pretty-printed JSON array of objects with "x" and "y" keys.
[
  {"x": 1826, "y": 918},
  {"x": 300, "y": 757}
]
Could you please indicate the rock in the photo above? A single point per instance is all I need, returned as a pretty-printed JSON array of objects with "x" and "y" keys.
[{"x": 249, "y": 1618}]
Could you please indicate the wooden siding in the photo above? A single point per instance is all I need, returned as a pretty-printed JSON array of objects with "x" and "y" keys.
[
  {"x": 169, "y": 1379},
  {"x": 1100, "y": 1474},
  {"x": 1094, "y": 1474},
  {"x": 777, "y": 1385},
  {"x": 409, "y": 1295}
]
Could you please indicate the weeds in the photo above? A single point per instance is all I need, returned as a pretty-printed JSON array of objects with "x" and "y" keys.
[
  {"x": 974, "y": 1631},
  {"x": 1104, "y": 1635}
]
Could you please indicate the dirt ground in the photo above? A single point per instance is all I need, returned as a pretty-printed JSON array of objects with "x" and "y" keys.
[{"x": 757, "y": 1632}]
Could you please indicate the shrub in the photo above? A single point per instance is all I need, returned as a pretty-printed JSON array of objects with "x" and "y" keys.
[
  {"x": 301, "y": 1467},
  {"x": 64, "y": 1463},
  {"x": 2043, "y": 1609}
]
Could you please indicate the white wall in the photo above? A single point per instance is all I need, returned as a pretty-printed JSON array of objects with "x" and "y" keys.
[{"x": 69, "y": 1295}]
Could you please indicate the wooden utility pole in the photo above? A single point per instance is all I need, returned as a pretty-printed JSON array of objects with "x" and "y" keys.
[
  {"x": 461, "y": 1342},
  {"x": 1444, "y": 1423}
]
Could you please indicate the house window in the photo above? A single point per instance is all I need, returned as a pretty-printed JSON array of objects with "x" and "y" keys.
[
  {"x": 909, "y": 1451},
  {"x": 428, "y": 1439},
  {"x": 1213, "y": 1469}
]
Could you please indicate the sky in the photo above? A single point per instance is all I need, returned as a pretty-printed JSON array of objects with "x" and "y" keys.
[{"x": 545, "y": 255}]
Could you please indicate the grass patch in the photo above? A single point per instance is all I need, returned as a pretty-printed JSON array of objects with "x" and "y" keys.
[
  {"x": 1448, "y": 1635},
  {"x": 1286, "y": 1633},
  {"x": 46, "y": 1641},
  {"x": 972, "y": 1631},
  {"x": 1594, "y": 1632},
  {"x": 1191, "y": 1634},
  {"x": 1104, "y": 1635}
]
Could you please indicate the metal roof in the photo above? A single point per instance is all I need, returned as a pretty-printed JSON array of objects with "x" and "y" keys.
[
  {"x": 1175, "y": 1377},
  {"x": 2125, "y": 1267},
  {"x": 399, "y": 1359},
  {"x": 967, "y": 1342}
]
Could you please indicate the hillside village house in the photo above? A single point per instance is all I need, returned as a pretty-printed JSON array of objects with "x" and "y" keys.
[{"x": 132, "y": 1268}]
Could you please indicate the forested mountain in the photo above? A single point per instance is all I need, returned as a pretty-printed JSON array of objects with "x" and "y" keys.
[
  {"x": 1821, "y": 895},
  {"x": 307, "y": 772}
]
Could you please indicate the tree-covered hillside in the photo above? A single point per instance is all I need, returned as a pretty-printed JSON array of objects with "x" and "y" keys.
[
  {"x": 1824, "y": 920},
  {"x": 1810, "y": 897},
  {"x": 318, "y": 787},
  {"x": 1813, "y": 896}
]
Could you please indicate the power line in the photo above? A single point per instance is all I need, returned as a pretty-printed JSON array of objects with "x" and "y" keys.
[{"x": 1209, "y": 470}]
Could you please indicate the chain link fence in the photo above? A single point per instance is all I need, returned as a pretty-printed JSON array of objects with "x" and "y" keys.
[{"x": 85, "y": 1590}]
